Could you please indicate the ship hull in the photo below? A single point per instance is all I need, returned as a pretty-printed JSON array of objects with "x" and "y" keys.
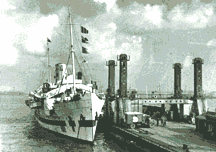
[{"x": 77, "y": 119}]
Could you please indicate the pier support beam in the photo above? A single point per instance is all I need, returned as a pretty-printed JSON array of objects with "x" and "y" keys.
[
  {"x": 181, "y": 115},
  {"x": 177, "y": 89},
  {"x": 198, "y": 92},
  {"x": 111, "y": 85},
  {"x": 123, "y": 74},
  {"x": 117, "y": 109},
  {"x": 122, "y": 92},
  {"x": 163, "y": 107},
  {"x": 120, "y": 116}
]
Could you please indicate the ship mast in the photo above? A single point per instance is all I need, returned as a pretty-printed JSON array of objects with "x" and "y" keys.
[
  {"x": 71, "y": 40},
  {"x": 48, "y": 66}
]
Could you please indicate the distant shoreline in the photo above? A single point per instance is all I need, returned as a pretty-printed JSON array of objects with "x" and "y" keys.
[{"x": 12, "y": 93}]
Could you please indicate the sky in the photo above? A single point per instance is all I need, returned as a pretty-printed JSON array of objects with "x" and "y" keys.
[{"x": 155, "y": 34}]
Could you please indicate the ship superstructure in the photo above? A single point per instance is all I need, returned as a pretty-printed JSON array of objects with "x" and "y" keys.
[{"x": 67, "y": 106}]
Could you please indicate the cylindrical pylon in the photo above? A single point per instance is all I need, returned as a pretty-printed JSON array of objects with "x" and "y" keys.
[
  {"x": 123, "y": 74},
  {"x": 198, "y": 92},
  {"x": 177, "y": 89},
  {"x": 198, "y": 77},
  {"x": 111, "y": 85},
  {"x": 111, "y": 76},
  {"x": 177, "y": 80}
]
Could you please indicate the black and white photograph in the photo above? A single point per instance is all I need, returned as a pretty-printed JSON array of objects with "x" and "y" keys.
[{"x": 107, "y": 75}]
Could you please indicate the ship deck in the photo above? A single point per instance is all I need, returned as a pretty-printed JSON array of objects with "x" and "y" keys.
[{"x": 173, "y": 136}]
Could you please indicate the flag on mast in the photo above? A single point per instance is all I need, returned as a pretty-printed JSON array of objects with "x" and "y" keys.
[
  {"x": 84, "y": 39},
  {"x": 84, "y": 30},
  {"x": 48, "y": 40},
  {"x": 84, "y": 50}
]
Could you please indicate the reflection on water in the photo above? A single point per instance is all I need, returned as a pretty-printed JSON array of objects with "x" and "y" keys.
[{"x": 20, "y": 132}]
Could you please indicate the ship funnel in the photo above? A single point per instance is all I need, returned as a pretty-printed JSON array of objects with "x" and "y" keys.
[
  {"x": 79, "y": 75},
  {"x": 197, "y": 77},
  {"x": 123, "y": 74},
  {"x": 177, "y": 80},
  {"x": 111, "y": 77},
  {"x": 60, "y": 70}
]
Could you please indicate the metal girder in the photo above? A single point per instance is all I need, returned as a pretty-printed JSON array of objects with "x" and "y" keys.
[{"x": 167, "y": 101}]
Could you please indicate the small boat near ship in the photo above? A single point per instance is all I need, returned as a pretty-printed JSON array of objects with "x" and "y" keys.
[{"x": 68, "y": 106}]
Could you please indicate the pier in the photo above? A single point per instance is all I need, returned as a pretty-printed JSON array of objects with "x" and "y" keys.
[{"x": 169, "y": 125}]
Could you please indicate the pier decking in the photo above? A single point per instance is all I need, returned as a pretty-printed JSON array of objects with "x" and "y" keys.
[{"x": 172, "y": 137}]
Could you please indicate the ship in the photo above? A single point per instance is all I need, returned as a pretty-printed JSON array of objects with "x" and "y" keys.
[{"x": 68, "y": 106}]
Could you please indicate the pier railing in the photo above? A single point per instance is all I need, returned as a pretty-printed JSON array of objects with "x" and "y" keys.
[
  {"x": 160, "y": 96},
  {"x": 152, "y": 96}
]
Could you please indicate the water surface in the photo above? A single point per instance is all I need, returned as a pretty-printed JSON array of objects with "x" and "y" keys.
[{"x": 19, "y": 132}]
